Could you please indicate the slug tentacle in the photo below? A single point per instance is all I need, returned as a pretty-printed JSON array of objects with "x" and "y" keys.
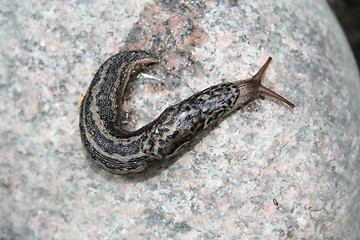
[
  {"x": 266, "y": 91},
  {"x": 253, "y": 87},
  {"x": 124, "y": 152},
  {"x": 259, "y": 75}
]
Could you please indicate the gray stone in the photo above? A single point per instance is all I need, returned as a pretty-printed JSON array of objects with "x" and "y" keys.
[{"x": 306, "y": 158}]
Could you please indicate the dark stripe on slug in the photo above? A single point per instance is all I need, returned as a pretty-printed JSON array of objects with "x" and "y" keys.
[
  {"x": 113, "y": 72},
  {"x": 107, "y": 144},
  {"x": 113, "y": 163}
]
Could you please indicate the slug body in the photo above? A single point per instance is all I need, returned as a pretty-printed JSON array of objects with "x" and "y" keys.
[{"x": 123, "y": 152}]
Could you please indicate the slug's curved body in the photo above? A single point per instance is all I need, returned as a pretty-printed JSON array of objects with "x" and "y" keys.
[{"x": 123, "y": 152}]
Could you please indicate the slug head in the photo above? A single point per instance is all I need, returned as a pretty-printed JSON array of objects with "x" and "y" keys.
[{"x": 251, "y": 89}]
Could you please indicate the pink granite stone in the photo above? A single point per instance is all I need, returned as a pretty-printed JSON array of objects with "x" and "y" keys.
[{"x": 307, "y": 158}]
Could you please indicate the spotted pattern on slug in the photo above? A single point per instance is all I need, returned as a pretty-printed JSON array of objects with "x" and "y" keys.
[
  {"x": 178, "y": 125},
  {"x": 123, "y": 152}
]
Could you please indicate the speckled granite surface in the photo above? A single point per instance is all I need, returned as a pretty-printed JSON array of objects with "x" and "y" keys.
[{"x": 223, "y": 188}]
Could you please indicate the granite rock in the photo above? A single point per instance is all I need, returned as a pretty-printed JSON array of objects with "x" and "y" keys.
[{"x": 306, "y": 158}]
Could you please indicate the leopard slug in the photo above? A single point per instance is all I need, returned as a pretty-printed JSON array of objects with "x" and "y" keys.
[{"x": 123, "y": 152}]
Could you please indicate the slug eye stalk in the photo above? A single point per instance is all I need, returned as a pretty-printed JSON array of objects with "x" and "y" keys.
[{"x": 254, "y": 87}]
